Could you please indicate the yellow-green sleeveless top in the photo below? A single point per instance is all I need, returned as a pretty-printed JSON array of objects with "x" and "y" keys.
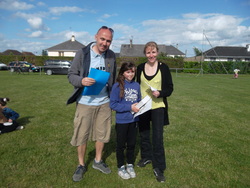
[{"x": 155, "y": 83}]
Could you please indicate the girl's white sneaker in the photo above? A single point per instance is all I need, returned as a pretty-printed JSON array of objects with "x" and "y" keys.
[
  {"x": 131, "y": 171},
  {"x": 123, "y": 173}
]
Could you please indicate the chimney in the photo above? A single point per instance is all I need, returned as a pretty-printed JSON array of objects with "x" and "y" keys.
[
  {"x": 248, "y": 47},
  {"x": 131, "y": 43},
  {"x": 73, "y": 38}
]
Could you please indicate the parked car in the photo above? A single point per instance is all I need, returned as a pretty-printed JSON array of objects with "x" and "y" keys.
[
  {"x": 56, "y": 67},
  {"x": 3, "y": 66},
  {"x": 22, "y": 66}
]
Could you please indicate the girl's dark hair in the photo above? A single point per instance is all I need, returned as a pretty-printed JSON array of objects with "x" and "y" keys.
[
  {"x": 3, "y": 101},
  {"x": 120, "y": 78}
]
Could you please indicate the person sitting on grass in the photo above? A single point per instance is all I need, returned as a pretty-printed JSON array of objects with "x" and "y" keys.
[{"x": 8, "y": 118}]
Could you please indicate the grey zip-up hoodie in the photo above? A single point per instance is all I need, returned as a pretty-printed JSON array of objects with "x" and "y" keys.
[{"x": 80, "y": 69}]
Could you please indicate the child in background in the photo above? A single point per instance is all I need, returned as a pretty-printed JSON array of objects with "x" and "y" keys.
[
  {"x": 236, "y": 73},
  {"x": 8, "y": 117},
  {"x": 124, "y": 96}
]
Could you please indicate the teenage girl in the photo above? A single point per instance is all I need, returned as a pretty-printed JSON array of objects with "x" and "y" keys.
[
  {"x": 124, "y": 96},
  {"x": 8, "y": 117}
]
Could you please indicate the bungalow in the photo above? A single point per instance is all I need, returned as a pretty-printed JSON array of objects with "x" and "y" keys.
[
  {"x": 136, "y": 50},
  {"x": 11, "y": 52},
  {"x": 65, "y": 49},
  {"x": 228, "y": 53}
]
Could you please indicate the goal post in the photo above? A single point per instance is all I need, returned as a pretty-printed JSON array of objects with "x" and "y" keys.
[{"x": 181, "y": 72}]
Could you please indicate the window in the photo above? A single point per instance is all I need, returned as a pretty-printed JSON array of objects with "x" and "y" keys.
[
  {"x": 212, "y": 59},
  {"x": 61, "y": 54}
]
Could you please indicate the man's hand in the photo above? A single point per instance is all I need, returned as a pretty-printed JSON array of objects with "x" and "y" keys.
[{"x": 88, "y": 81}]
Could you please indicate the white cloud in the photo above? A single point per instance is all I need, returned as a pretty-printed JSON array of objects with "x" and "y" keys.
[
  {"x": 219, "y": 29},
  {"x": 36, "y": 34},
  {"x": 23, "y": 45},
  {"x": 186, "y": 31},
  {"x": 212, "y": 21},
  {"x": 34, "y": 20},
  {"x": 14, "y": 5},
  {"x": 31, "y": 15},
  {"x": 61, "y": 10},
  {"x": 41, "y": 3},
  {"x": 104, "y": 17},
  {"x": 35, "y": 23},
  {"x": 194, "y": 36},
  {"x": 125, "y": 32}
]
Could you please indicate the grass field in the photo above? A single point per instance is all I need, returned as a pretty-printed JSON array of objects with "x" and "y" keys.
[{"x": 207, "y": 143}]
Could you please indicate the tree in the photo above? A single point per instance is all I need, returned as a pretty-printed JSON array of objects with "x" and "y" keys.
[
  {"x": 197, "y": 52},
  {"x": 44, "y": 53}
]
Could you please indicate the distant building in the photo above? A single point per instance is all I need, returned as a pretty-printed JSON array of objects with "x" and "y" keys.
[
  {"x": 136, "y": 50},
  {"x": 228, "y": 53},
  {"x": 28, "y": 54},
  {"x": 223, "y": 54},
  {"x": 65, "y": 49},
  {"x": 15, "y": 52},
  {"x": 11, "y": 52}
]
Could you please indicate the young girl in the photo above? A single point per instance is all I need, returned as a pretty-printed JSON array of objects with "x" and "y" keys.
[
  {"x": 124, "y": 96},
  {"x": 236, "y": 73},
  {"x": 8, "y": 117}
]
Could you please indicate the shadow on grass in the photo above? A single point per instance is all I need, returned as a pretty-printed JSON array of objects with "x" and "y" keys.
[{"x": 24, "y": 120}]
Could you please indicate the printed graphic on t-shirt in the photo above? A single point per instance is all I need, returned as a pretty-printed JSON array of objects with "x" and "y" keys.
[
  {"x": 100, "y": 68},
  {"x": 130, "y": 94}
]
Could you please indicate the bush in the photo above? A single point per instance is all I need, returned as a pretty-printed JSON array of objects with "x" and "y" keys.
[
  {"x": 219, "y": 67},
  {"x": 176, "y": 62}
]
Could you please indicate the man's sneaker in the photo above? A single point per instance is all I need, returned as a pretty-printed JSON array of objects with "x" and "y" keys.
[
  {"x": 123, "y": 173},
  {"x": 159, "y": 175},
  {"x": 131, "y": 171},
  {"x": 102, "y": 167},
  {"x": 78, "y": 175},
  {"x": 19, "y": 127},
  {"x": 143, "y": 162}
]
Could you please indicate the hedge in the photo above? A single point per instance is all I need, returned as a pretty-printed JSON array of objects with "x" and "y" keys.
[
  {"x": 177, "y": 62},
  {"x": 218, "y": 67}
]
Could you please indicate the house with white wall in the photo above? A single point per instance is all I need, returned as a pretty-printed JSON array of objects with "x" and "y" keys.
[
  {"x": 65, "y": 49},
  {"x": 228, "y": 53}
]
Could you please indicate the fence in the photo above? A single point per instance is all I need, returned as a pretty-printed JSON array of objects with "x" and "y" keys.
[{"x": 190, "y": 71}]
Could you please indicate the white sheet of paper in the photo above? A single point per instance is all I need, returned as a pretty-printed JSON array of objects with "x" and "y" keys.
[{"x": 145, "y": 104}]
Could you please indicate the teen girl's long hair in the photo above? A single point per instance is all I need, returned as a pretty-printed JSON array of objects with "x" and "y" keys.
[{"x": 120, "y": 78}]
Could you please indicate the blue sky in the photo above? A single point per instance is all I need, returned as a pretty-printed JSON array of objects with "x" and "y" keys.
[{"x": 34, "y": 25}]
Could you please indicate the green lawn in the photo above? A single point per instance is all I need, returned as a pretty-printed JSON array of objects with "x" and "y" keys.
[{"x": 207, "y": 143}]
